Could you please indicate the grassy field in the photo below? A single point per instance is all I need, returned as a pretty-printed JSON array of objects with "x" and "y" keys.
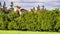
[{"x": 26, "y": 32}]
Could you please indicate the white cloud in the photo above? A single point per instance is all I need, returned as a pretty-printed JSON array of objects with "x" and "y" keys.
[
  {"x": 38, "y": 0},
  {"x": 14, "y": 0},
  {"x": 47, "y": 3},
  {"x": 32, "y": 0}
]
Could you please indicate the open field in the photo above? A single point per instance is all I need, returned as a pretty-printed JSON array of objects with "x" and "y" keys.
[{"x": 26, "y": 32}]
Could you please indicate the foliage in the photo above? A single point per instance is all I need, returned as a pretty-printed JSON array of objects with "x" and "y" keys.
[{"x": 31, "y": 21}]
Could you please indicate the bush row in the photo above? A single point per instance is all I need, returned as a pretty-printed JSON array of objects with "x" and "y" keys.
[{"x": 31, "y": 21}]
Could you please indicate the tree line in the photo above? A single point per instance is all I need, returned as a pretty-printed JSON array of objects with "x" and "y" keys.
[
  {"x": 12, "y": 4},
  {"x": 4, "y": 5}
]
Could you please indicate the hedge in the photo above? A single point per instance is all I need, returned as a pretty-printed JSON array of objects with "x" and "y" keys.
[{"x": 31, "y": 21}]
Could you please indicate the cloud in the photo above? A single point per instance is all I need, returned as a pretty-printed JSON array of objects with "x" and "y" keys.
[
  {"x": 37, "y": 0},
  {"x": 32, "y": 0},
  {"x": 14, "y": 0},
  {"x": 53, "y": 3},
  {"x": 33, "y": 3}
]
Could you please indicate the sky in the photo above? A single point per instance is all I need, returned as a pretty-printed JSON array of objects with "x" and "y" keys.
[{"x": 28, "y": 4}]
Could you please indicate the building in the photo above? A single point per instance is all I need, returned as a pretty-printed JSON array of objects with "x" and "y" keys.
[
  {"x": 24, "y": 10},
  {"x": 5, "y": 10},
  {"x": 17, "y": 9}
]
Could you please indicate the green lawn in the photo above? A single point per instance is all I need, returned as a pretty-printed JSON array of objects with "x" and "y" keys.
[{"x": 26, "y": 32}]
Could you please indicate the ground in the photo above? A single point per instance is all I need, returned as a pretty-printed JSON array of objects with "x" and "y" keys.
[{"x": 25, "y": 32}]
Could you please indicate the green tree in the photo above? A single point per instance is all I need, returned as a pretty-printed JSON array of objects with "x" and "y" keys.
[
  {"x": 11, "y": 6},
  {"x": 0, "y": 5},
  {"x": 4, "y": 5},
  {"x": 38, "y": 8},
  {"x": 43, "y": 8}
]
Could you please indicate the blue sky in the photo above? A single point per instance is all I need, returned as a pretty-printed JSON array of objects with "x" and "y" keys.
[{"x": 28, "y": 4}]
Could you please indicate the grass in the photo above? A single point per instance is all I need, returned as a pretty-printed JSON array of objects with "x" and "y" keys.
[{"x": 25, "y": 32}]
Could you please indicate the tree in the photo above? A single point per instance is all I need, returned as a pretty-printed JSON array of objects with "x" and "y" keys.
[
  {"x": 43, "y": 7},
  {"x": 11, "y": 5},
  {"x": 38, "y": 8},
  {"x": 0, "y": 5},
  {"x": 4, "y": 5},
  {"x": 33, "y": 8}
]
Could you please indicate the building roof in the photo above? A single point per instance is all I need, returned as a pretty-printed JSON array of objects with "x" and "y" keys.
[
  {"x": 18, "y": 6},
  {"x": 24, "y": 10}
]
